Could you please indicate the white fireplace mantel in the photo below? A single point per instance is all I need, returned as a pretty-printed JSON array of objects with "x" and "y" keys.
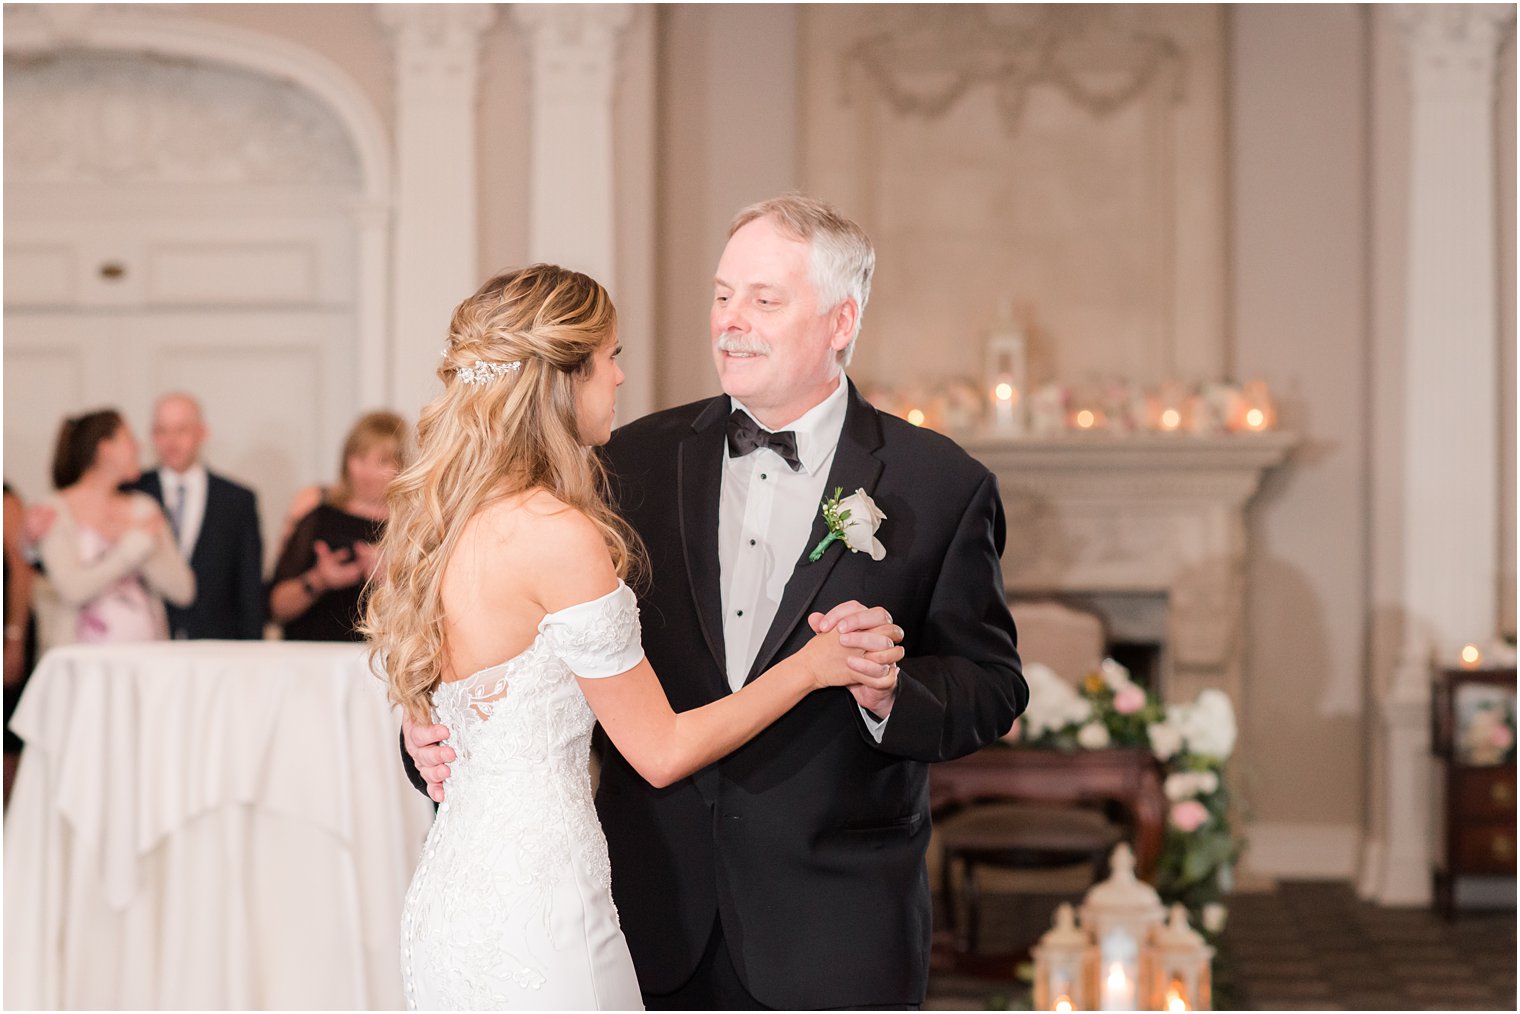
[{"x": 1148, "y": 514}]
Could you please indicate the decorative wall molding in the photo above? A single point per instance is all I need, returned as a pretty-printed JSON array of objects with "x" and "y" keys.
[
  {"x": 925, "y": 66},
  {"x": 1448, "y": 422},
  {"x": 1452, "y": 47},
  {"x": 574, "y": 53},
  {"x": 436, "y": 51},
  {"x": 1101, "y": 215},
  {"x": 94, "y": 117},
  {"x": 437, "y": 47},
  {"x": 41, "y": 31}
]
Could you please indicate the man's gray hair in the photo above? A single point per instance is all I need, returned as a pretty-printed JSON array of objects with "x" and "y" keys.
[{"x": 842, "y": 259}]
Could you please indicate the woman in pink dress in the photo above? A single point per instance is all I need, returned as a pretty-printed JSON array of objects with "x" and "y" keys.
[{"x": 110, "y": 557}]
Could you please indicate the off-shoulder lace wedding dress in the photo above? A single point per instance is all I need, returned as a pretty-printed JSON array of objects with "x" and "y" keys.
[{"x": 511, "y": 905}]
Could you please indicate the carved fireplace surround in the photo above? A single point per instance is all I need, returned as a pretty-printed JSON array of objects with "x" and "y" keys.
[{"x": 1151, "y": 514}]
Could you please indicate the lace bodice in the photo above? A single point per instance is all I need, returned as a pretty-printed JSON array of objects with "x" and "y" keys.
[{"x": 484, "y": 915}]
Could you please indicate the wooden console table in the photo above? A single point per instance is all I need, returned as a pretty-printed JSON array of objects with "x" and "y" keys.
[{"x": 1128, "y": 776}]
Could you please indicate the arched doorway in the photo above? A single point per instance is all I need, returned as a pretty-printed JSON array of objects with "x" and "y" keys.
[{"x": 190, "y": 206}]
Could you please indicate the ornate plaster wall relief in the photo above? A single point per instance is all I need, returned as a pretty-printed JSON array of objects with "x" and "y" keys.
[
  {"x": 1070, "y": 161},
  {"x": 1096, "y": 57},
  {"x": 109, "y": 118}
]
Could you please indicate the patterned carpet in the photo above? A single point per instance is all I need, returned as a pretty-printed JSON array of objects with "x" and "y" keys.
[{"x": 1302, "y": 946}]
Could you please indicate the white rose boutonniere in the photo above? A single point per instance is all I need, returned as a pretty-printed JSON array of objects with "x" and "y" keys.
[{"x": 854, "y": 521}]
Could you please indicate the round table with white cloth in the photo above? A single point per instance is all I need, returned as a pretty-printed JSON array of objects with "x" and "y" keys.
[{"x": 207, "y": 824}]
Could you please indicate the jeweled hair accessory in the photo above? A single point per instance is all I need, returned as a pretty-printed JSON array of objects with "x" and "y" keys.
[{"x": 484, "y": 373}]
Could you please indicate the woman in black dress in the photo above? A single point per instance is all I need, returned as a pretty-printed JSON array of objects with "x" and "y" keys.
[{"x": 317, "y": 590}]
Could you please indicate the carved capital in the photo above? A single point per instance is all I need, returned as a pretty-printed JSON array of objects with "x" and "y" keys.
[
  {"x": 437, "y": 46},
  {"x": 1453, "y": 47},
  {"x": 574, "y": 47}
]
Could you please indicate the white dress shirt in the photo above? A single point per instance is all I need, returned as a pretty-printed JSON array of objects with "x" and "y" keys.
[
  {"x": 765, "y": 516},
  {"x": 194, "y": 482}
]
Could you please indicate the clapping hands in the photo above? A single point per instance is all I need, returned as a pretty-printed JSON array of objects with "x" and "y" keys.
[{"x": 344, "y": 568}]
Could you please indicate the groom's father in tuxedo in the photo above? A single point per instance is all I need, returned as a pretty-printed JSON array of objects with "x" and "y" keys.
[
  {"x": 216, "y": 523},
  {"x": 791, "y": 873}
]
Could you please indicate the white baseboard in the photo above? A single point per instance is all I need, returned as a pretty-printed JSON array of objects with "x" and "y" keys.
[{"x": 1296, "y": 851}]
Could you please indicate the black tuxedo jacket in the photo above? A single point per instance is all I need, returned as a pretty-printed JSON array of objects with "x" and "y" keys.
[
  {"x": 809, "y": 841},
  {"x": 228, "y": 561}
]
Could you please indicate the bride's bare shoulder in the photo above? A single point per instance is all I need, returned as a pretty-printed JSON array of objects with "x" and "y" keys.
[{"x": 538, "y": 527}]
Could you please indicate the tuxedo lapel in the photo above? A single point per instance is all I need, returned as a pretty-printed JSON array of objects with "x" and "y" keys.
[
  {"x": 699, "y": 478},
  {"x": 208, "y": 517},
  {"x": 855, "y": 467}
]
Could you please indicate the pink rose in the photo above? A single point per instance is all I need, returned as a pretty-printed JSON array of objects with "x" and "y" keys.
[
  {"x": 1189, "y": 815},
  {"x": 1502, "y": 738},
  {"x": 1129, "y": 699}
]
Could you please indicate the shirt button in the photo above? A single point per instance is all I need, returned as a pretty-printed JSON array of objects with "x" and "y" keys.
[
  {"x": 739, "y": 613},
  {"x": 751, "y": 542},
  {"x": 763, "y": 475}
]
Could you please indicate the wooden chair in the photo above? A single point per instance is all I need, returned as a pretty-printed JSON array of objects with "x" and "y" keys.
[{"x": 1015, "y": 834}]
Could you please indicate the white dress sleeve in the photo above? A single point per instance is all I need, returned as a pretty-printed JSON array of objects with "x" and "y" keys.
[{"x": 599, "y": 638}]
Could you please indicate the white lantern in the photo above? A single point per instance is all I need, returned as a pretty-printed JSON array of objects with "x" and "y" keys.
[
  {"x": 1120, "y": 915},
  {"x": 1007, "y": 375},
  {"x": 1058, "y": 965},
  {"x": 1179, "y": 974}
]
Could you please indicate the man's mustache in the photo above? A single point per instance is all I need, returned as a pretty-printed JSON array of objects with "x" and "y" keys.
[{"x": 733, "y": 343}]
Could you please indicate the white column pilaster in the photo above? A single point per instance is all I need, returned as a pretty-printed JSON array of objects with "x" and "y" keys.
[
  {"x": 436, "y": 54},
  {"x": 575, "y": 57},
  {"x": 1450, "y": 426}
]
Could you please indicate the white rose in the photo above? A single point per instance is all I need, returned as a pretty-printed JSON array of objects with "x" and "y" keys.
[
  {"x": 1180, "y": 786},
  {"x": 1093, "y": 736},
  {"x": 1114, "y": 674},
  {"x": 1208, "y": 725},
  {"x": 1214, "y": 916},
  {"x": 860, "y": 527},
  {"x": 1207, "y": 782},
  {"x": 1050, "y": 698},
  {"x": 1079, "y": 711},
  {"x": 1166, "y": 740}
]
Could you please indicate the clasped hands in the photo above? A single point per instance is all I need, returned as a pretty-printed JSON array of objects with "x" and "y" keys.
[
  {"x": 857, "y": 626},
  {"x": 344, "y": 568}
]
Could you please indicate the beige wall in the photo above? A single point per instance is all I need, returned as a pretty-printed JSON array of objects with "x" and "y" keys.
[
  {"x": 1504, "y": 122},
  {"x": 728, "y": 137},
  {"x": 1299, "y": 162}
]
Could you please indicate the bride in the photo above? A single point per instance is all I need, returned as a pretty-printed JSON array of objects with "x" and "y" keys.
[{"x": 501, "y": 612}]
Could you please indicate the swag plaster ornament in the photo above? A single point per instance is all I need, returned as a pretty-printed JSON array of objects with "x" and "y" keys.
[{"x": 1090, "y": 55}]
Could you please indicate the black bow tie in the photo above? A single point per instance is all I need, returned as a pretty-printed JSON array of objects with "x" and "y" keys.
[{"x": 745, "y": 435}]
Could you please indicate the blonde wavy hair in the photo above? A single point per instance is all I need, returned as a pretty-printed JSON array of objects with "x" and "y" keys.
[{"x": 477, "y": 443}]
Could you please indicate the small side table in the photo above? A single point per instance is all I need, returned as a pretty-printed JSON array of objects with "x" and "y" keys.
[{"x": 1478, "y": 801}]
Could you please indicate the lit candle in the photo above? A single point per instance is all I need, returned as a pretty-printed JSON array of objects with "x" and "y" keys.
[
  {"x": 1170, "y": 419},
  {"x": 1063, "y": 1002},
  {"x": 916, "y": 416},
  {"x": 1256, "y": 419},
  {"x": 1471, "y": 657},
  {"x": 1118, "y": 989},
  {"x": 1174, "y": 1000},
  {"x": 1005, "y": 397},
  {"x": 1085, "y": 419}
]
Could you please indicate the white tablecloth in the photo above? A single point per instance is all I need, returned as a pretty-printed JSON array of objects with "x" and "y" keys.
[{"x": 207, "y": 824}]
